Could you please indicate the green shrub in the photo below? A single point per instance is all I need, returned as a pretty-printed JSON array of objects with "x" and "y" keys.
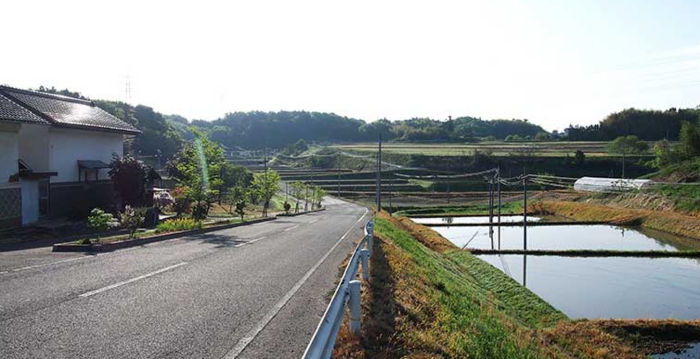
[
  {"x": 180, "y": 224},
  {"x": 101, "y": 221}
]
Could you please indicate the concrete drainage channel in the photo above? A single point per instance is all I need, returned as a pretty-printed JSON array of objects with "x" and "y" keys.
[{"x": 347, "y": 293}]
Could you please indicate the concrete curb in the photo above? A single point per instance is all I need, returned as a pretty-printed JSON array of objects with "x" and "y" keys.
[
  {"x": 300, "y": 213},
  {"x": 108, "y": 247}
]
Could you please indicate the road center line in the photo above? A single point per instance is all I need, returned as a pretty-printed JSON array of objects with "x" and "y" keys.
[
  {"x": 248, "y": 338},
  {"x": 314, "y": 221},
  {"x": 249, "y": 242},
  {"x": 290, "y": 228},
  {"x": 115, "y": 285}
]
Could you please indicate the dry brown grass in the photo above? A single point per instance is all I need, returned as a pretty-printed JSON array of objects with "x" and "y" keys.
[
  {"x": 676, "y": 223},
  {"x": 619, "y": 338}
]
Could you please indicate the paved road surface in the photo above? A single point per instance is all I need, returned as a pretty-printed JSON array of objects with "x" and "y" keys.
[{"x": 256, "y": 291}]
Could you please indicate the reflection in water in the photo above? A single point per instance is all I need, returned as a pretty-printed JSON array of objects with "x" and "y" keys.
[
  {"x": 564, "y": 237},
  {"x": 693, "y": 351},
  {"x": 609, "y": 287},
  {"x": 471, "y": 220}
]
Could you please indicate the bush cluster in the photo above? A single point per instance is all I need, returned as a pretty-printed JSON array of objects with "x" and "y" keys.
[{"x": 180, "y": 224}]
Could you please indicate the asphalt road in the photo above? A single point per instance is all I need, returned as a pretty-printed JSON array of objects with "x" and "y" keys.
[{"x": 255, "y": 291}]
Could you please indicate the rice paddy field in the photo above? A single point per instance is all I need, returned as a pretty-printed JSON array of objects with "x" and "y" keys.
[{"x": 548, "y": 149}]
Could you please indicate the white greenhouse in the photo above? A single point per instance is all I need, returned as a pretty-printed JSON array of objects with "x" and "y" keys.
[{"x": 598, "y": 184}]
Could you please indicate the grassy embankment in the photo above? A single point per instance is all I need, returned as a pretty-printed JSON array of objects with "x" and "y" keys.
[{"x": 428, "y": 299}]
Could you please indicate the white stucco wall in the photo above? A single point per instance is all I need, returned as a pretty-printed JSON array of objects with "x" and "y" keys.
[
  {"x": 8, "y": 151},
  {"x": 34, "y": 146},
  {"x": 67, "y": 146},
  {"x": 30, "y": 201}
]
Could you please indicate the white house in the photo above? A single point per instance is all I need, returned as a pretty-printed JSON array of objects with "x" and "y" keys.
[{"x": 54, "y": 155}]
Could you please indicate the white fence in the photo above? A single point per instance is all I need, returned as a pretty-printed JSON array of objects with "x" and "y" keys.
[{"x": 348, "y": 292}]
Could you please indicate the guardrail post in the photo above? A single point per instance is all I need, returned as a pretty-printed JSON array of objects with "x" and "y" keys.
[
  {"x": 355, "y": 307},
  {"x": 365, "y": 266}
]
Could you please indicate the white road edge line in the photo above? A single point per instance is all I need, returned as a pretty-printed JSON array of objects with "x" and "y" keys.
[
  {"x": 51, "y": 263},
  {"x": 248, "y": 338},
  {"x": 290, "y": 228},
  {"x": 115, "y": 285},
  {"x": 314, "y": 221}
]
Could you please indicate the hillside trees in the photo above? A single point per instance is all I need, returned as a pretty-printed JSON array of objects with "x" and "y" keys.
[
  {"x": 626, "y": 145},
  {"x": 648, "y": 125},
  {"x": 201, "y": 170}
]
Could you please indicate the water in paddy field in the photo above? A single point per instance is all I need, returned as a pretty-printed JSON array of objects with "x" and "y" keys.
[
  {"x": 609, "y": 287},
  {"x": 595, "y": 287},
  {"x": 693, "y": 351},
  {"x": 565, "y": 237},
  {"x": 470, "y": 220}
]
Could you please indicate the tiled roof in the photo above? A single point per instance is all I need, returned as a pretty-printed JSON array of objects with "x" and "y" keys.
[
  {"x": 10, "y": 111},
  {"x": 67, "y": 111}
]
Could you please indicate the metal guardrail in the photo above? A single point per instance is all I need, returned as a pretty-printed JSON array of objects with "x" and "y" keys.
[{"x": 348, "y": 291}]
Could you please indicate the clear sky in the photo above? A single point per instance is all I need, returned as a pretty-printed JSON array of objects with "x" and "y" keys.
[{"x": 553, "y": 62}]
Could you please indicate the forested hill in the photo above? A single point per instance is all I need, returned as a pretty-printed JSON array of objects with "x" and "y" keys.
[
  {"x": 279, "y": 129},
  {"x": 649, "y": 125}
]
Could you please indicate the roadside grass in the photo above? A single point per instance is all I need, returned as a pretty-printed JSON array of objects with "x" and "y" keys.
[{"x": 427, "y": 300}]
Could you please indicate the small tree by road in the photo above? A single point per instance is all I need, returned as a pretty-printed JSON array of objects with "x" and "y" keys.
[
  {"x": 297, "y": 191},
  {"x": 267, "y": 184},
  {"x": 627, "y": 145},
  {"x": 319, "y": 193},
  {"x": 237, "y": 197}
]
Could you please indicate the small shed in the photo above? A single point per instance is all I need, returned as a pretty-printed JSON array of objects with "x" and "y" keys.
[{"x": 599, "y": 184}]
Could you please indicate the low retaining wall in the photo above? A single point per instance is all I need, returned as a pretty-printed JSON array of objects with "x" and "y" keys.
[
  {"x": 300, "y": 213},
  {"x": 10, "y": 206},
  {"x": 107, "y": 247}
]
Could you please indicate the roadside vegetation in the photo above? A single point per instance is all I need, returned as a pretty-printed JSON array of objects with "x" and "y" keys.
[{"x": 426, "y": 299}]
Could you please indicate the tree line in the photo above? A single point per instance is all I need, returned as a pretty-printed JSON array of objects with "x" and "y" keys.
[{"x": 647, "y": 125}]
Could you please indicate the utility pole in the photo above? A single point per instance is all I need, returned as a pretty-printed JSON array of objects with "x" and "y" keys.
[
  {"x": 286, "y": 191},
  {"x": 391, "y": 190},
  {"x": 448, "y": 179},
  {"x": 339, "y": 164},
  {"x": 313, "y": 197},
  {"x": 379, "y": 175},
  {"x": 491, "y": 202},
  {"x": 524, "y": 213},
  {"x": 313, "y": 187},
  {"x": 498, "y": 178}
]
